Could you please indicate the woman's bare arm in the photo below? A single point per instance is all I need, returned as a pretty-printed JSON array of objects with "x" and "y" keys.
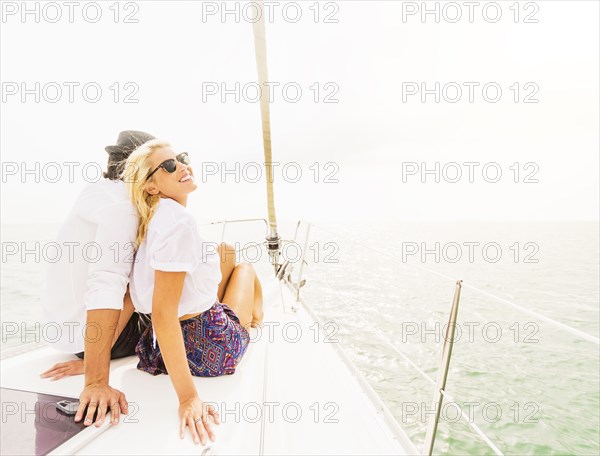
[
  {"x": 165, "y": 303},
  {"x": 193, "y": 413}
]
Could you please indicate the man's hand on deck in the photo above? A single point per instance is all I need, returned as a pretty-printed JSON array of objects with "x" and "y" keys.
[
  {"x": 65, "y": 369},
  {"x": 98, "y": 397}
]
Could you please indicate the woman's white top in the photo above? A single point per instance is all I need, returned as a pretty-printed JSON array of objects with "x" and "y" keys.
[{"x": 173, "y": 244}]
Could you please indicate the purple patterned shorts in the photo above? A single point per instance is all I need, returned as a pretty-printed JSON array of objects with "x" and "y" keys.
[{"x": 215, "y": 342}]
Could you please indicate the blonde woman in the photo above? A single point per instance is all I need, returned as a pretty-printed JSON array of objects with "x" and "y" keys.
[{"x": 193, "y": 331}]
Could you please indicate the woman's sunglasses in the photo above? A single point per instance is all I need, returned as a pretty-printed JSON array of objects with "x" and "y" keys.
[{"x": 170, "y": 165}]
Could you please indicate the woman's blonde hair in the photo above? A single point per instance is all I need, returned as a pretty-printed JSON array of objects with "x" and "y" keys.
[{"x": 136, "y": 169}]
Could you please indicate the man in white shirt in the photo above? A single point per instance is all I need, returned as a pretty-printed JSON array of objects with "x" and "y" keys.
[{"x": 86, "y": 290}]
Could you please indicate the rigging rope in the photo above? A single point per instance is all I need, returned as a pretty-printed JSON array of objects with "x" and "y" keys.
[{"x": 260, "y": 48}]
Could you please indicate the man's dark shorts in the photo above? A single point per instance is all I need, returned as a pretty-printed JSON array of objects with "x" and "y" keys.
[{"x": 128, "y": 339}]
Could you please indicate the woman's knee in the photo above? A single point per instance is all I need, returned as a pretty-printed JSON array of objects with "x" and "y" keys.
[
  {"x": 246, "y": 268},
  {"x": 226, "y": 253}
]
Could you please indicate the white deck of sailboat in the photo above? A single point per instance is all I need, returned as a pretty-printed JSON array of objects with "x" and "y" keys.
[{"x": 289, "y": 395}]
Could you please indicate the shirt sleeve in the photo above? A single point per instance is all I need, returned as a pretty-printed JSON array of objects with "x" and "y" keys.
[
  {"x": 110, "y": 264},
  {"x": 174, "y": 248}
]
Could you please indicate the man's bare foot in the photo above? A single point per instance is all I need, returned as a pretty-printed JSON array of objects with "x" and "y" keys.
[
  {"x": 257, "y": 315},
  {"x": 257, "y": 319},
  {"x": 257, "y": 307}
]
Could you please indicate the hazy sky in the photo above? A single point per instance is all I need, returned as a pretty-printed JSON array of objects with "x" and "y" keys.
[{"x": 375, "y": 141}]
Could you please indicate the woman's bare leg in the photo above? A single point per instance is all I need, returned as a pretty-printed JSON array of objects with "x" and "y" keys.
[
  {"x": 227, "y": 263},
  {"x": 257, "y": 309},
  {"x": 244, "y": 295},
  {"x": 239, "y": 294}
]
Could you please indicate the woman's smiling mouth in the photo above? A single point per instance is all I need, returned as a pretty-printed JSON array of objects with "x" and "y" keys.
[{"x": 186, "y": 178}]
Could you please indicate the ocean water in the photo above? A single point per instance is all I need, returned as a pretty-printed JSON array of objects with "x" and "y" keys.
[{"x": 529, "y": 385}]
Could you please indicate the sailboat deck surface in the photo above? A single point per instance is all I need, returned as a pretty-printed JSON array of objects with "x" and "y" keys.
[{"x": 291, "y": 394}]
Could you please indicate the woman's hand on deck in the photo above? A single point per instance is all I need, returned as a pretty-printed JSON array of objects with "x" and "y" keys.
[
  {"x": 65, "y": 369},
  {"x": 196, "y": 414}
]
